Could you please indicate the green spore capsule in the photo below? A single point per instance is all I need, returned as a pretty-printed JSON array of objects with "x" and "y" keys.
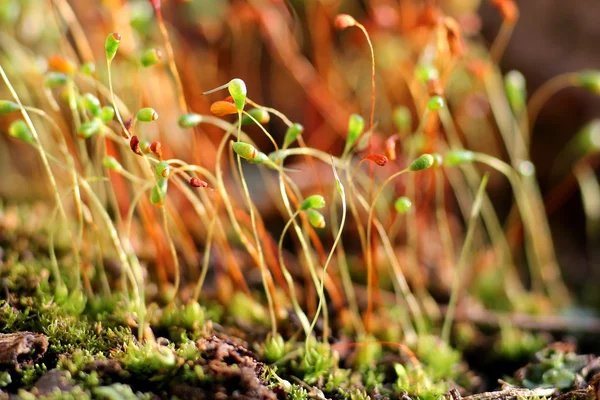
[
  {"x": 7, "y": 106},
  {"x": 55, "y": 79},
  {"x": 88, "y": 129},
  {"x": 111, "y": 163},
  {"x": 147, "y": 114},
  {"x": 262, "y": 116},
  {"x": 457, "y": 157},
  {"x": 237, "y": 90},
  {"x": 588, "y": 138},
  {"x": 403, "y": 204},
  {"x": 145, "y": 146},
  {"x": 292, "y": 134},
  {"x": 356, "y": 126},
  {"x": 436, "y": 103},
  {"x": 423, "y": 162},
  {"x": 88, "y": 69},
  {"x": 316, "y": 201},
  {"x": 150, "y": 57},
  {"x": 111, "y": 45},
  {"x": 316, "y": 219},
  {"x": 163, "y": 170},
  {"x": 402, "y": 119},
  {"x": 589, "y": 80},
  {"x": 189, "y": 120},
  {"x": 516, "y": 91},
  {"x": 91, "y": 104},
  {"x": 245, "y": 150},
  {"x": 19, "y": 130},
  {"x": 426, "y": 72},
  {"x": 159, "y": 192},
  {"x": 107, "y": 114}
]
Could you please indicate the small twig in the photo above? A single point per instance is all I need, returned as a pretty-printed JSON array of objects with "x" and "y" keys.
[
  {"x": 530, "y": 322},
  {"x": 512, "y": 394}
]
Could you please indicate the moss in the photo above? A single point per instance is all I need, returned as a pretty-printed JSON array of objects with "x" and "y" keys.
[
  {"x": 76, "y": 394},
  {"x": 441, "y": 360},
  {"x": 118, "y": 391},
  {"x": 296, "y": 392},
  {"x": 148, "y": 361},
  {"x": 415, "y": 381},
  {"x": 181, "y": 320},
  {"x": 31, "y": 373}
]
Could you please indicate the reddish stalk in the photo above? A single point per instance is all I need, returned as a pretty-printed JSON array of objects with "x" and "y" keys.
[
  {"x": 245, "y": 219},
  {"x": 156, "y": 5},
  {"x": 343, "y": 21},
  {"x": 510, "y": 14}
]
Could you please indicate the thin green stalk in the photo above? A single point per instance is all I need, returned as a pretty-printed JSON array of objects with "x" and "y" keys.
[
  {"x": 261, "y": 257},
  {"x": 350, "y": 178},
  {"x": 173, "y": 254},
  {"x": 342, "y": 195},
  {"x": 112, "y": 96},
  {"x": 46, "y": 164},
  {"x": 523, "y": 205},
  {"x": 409, "y": 298},
  {"x": 543, "y": 94},
  {"x": 442, "y": 217},
  {"x": 167, "y": 232},
  {"x": 590, "y": 196},
  {"x": 513, "y": 285},
  {"x": 369, "y": 251},
  {"x": 290, "y": 280},
  {"x": 73, "y": 171},
  {"x": 347, "y": 284},
  {"x": 462, "y": 261},
  {"x": 117, "y": 242},
  {"x": 299, "y": 233},
  {"x": 542, "y": 236},
  {"x": 206, "y": 257}
]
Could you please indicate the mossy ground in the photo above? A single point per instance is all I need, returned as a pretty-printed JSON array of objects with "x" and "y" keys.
[{"x": 191, "y": 351}]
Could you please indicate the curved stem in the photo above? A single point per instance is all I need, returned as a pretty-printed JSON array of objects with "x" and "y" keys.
[
  {"x": 45, "y": 161},
  {"x": 342, "y": 264},
  {"x": 288, "y": 277},
  {"x": 71, "y": 164},
  {"x": 342, "y": 194},
  {"x": 261, "y": 257},
  {"x": 410, "y": 299},
  {"x": 501, "y": 41},
  {"x": 114, "y": 102},
  {"x": 544, "y": 271},
  {"x": 543, "y": 94},
  {"x": 172, "y": 66},
  {"x": 369, "y": 250},
  {"x": 206, "y": 257},
  {"x": 463, "y": 260}
]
